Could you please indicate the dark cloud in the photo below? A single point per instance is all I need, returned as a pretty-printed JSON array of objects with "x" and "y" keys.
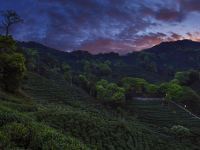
[
  {"x": 99, "y": 25},
  {"x": 175, "y": 36},
  {"x": 138, "y": 43},
  {"x": 170, "y": 15},
  {"x": 189, "y": 5}
]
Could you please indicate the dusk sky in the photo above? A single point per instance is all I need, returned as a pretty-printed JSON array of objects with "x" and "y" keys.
[{"x": 100, "y": 26}]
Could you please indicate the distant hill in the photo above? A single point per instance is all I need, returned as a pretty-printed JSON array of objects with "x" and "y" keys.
[
  {"x": 175, "y": 45},
  {"x": 158, "y": 63}
]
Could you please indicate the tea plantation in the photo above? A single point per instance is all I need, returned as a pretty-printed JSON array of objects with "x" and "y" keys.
[{"x": 53, "y": 115}]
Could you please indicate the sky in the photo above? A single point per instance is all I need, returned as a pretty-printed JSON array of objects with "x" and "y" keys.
[{"x": 103, "y": 26}]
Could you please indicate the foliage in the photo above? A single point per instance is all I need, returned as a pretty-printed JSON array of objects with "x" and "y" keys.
[
  {"x": 51, "y": 63},
  {"x": 67, "y": 72},
  {"x": 171, "y": 91},
  {"x": 36, "y": 136},
  {"x": 87, "y": 67},
  {"x": 7, "y": 44},
  {"x": 100, "y": 132},
  {"x": 188, "y": 77},
  {"x": 180, "y": 131},
  {"x": 13, "y": 70},
  {"x": 97, "y": 68},
  {"x": 160, "y": 62},
  {"x": 63, "y": 116},
  {"x": 32, "y": 59},
  {"x": 182, "y": 77},
  {"x": 85, "y": 83},
  {"x": 104, "y": 68},
  {"x": 139, "y": 87},
  {"x": 190, "y": 99},
  {"x": 134, "y": 84},
  {"x": 152, "y": 90},
  {"x": 194, "y": 76},
  {"x": 146, "y": 60},
  {"x": 60, "y": 126},
  {"x": 12, "y": 65},
  {"x": 110, "y": 92}
]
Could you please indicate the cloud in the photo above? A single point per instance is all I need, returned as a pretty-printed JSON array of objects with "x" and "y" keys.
[
  {"x": 193, "y": 36},
  {"x": 175, "y": 36},
  {"x": 170, "y": 15},
  {"x": 138, "y": 43},
  {"x": 121, "y": 46},
  {"x": 189, "y": 5},
  {"x": 99, "y": 25}
]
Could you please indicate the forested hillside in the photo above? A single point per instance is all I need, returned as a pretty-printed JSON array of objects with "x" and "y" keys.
[
  {"x": 156, "y": 64},
  {"x": 55, "y": 100}
]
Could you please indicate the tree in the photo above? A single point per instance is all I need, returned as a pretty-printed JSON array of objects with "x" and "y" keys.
[
  {"x": 32, "y": 59},
  {"x": 134, "y": 86},
  {"x": 7, "y": 44},
  {"x": 67, "y": 72},
  {"x": 101, "y": 88},
  {"x": 182, "y": 77},
  {"x": 190, "y": 99},
  {"x": 86, "y": 82},
  {"x": 180, "y": 132},
  {"x": 110, "y": 92},
  {"x": 10, "y": 18},
  {"x": 87, "y": 67},
  {"x": 194, "y": 76},
  {"x": 12, "y": 65},
  {"x": 171, "y": 91},
  {"x": 119, "y": 95},
  {"x": 13, "y": 69},
  {"x": 188, "y": 77},
  {"x": 163, "y": 88},
  {"x": 103, "y": 68},
  {"x": 152, "y": 90},
  {"x": 108, "y": 62},
  {"x": 146, "y": 60}
]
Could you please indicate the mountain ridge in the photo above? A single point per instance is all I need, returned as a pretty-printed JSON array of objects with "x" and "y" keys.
[
  {"x": 163, "y": 45},
  {"x": 179, "y": 44},
  {"x": 165, "y": 58}
]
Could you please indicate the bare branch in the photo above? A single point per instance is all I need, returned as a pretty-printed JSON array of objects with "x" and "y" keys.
[{"x": 10, "y": 17}]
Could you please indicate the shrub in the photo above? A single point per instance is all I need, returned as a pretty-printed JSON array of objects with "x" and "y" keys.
[
  {"x": 8, "y": 115},
  {"x": 36, "y": 136},
  {"x": 4, "y": 140},
  {"x": 180, "y": 132},
  {"x": 19, "y": 134}
]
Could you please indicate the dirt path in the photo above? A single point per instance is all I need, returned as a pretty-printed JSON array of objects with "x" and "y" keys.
[
  {"x": 181, "y": 107},
  {"x": 148, "y": 99}
]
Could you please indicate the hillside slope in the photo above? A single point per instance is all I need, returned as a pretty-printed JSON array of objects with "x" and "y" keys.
[
  {"x": 158, "y": 63},
  {"x": 51, "y": 120}
]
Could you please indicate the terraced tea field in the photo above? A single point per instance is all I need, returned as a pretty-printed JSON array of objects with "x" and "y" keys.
[
  {"x": 56, "y": 90},
  {"x": 159, "y": 116},
  {"x": 94, "y": 125}
]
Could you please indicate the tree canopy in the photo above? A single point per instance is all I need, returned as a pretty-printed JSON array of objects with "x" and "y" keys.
[
  {"x": 12, "y": 65},
  {"x": 110, "y": 92}
]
